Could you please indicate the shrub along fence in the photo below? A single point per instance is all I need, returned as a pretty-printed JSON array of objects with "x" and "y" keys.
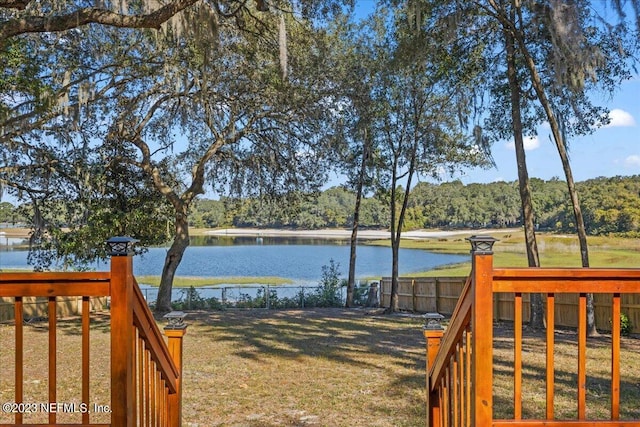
[{"x": 440, "y": 294}]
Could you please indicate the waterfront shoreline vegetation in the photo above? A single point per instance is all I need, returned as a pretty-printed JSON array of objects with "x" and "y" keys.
[
  {"x": 610, "y": 206},
  {"x": 556, "y": 250},
  {"x": 197, "y": 282}
]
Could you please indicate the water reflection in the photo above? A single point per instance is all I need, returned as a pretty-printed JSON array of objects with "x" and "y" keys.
[{"x": 298, "y": 259}]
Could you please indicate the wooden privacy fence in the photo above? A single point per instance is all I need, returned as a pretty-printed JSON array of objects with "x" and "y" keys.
[
  {"x": 460, "y": 365},
  {"x": 38, "y": 307},
  {"x": 145, "y": 372},
  {"x": 440, "y": 295}
]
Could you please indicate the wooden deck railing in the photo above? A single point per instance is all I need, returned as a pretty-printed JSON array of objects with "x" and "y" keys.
[
  {"x": 145, "y": 371},
  {"x": 460, "y": 361}
]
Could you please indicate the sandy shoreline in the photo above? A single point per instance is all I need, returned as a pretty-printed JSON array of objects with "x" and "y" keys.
[
  {"x": 338, "y": 233},
  {"x": 327, "y": 233}
]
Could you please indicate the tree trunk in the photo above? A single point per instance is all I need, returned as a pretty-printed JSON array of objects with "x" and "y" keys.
[
  {"x": 351, "y": 283},
  {"x": 397, "y": 222},
  {"x": 393, "y": 302},
  {"x": 533, "y": 258},
  {"x": 172, "y": 261},
  {"x": 566, "y": 167},
  {"x": 394, "y": 306},
  {"x": 356, "y": 223}
]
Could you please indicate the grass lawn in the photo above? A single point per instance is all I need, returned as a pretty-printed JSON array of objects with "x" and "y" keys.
[
  {"x": 598, "y": 388},
  {"x": 329, "y": 367},
  {"x": 316, "y": 367},
  {"x": 555, "y": 251}
]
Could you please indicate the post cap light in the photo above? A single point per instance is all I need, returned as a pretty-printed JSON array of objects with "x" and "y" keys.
[
  {"x": 482, "y": 244},
  {"x": 433, "y": 321},
  {"x": 175, "y": 320},
  {"x": 121, "y": 245}
]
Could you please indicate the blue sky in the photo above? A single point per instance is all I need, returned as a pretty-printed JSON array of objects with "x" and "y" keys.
[{"x": 609, "y": 151}]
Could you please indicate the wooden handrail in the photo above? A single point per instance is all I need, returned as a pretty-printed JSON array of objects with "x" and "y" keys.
[
  {"x": 50, "y": 284},
  {"x": 154, "y": 341},
  {"x": 145, "y": 370},
  {"x": 461, "y": 366},
  {"x": 459, "y": 322}
]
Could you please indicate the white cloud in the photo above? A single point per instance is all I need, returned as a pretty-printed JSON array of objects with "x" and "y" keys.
[
  {"x": 530, "y": 143},
  {"x": 632, "y": 161},
  {"x": 620, "y": 118}
]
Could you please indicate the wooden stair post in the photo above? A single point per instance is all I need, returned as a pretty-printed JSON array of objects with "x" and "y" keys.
[
  {"x": 482, "y": 329},
  {"x": 175, "y": 331},
  {"x": 433, "y": 333},
  {"x": 122, "y": 375}
]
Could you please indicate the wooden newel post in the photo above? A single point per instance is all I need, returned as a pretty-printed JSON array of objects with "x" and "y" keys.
[
  {"x": 482, "y": 330},
  {"x": 122, "y": 375},
  {"x": 175, "y": 331},
  {"x": 433, "y": 333}
]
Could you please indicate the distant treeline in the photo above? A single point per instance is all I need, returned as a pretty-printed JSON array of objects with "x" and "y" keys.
[{"x": 610, "y": 205}]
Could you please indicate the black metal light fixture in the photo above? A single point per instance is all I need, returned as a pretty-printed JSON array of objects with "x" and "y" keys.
[
  {"x": 482, "y": 244},
  {"x": 175, "y": 320},
  {"x": 433, "y": 322},
  {"x": 121, "y": 245}
]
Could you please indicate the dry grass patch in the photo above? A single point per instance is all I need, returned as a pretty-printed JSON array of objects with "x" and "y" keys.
[
  {"x": 598, "y": 390},
  {"x": 326, "y": 367},
  {"x": 317, "y": 367}
]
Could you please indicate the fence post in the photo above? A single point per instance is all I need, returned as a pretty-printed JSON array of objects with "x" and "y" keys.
[
  {"x": 482, "y": 330},
  {"x": 436, "y": 293},
  {"x": 175, "y": 330},
  {"x": 433, "y": 333},
  {"x": 413, "y": 295},
  {"x": 122, "y": 375},
  {"x": 266, "y": 296}
]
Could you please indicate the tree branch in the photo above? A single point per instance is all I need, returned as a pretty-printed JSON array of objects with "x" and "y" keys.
[{"x": 80, "y": 17}]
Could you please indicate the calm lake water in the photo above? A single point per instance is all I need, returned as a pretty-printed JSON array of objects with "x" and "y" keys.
[{"x": 298, "y": 259}]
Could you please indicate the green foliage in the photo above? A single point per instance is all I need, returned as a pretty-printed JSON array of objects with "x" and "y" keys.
[
  {"x": 610, "y": 206},
  {"x": 328, "y": 292},
  {"x": 190, "y": 299},
  {"x": 10, "y": 214},
  {"x": 625, "y": 325}
]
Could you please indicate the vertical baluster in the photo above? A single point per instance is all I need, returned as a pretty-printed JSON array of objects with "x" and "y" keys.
[
  {"x": 147, "y": 388},
  {"x": 517, "y": 357},
  {"x": 550, "y": 350},
  {"x": 86, "y": 323},
  {"x": 582, "y": 356},
  {"x": 141, "y": 396},
  {"x": 135, "y": 336},
  {"x": 153, "y": 396},
  {"x": 19, "y": 359},
  {"x": 468, "y": 373},
  {"x": 615, "y": 357},
  {"x": 454, "y": 391},
  {"x": 461, "y": 380},
  {"x": 445, "y": 399},
  {"x": 52, "y": 354},
  {"x": 165, "y": 399},
  {"x": 160, "y": 399}
]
